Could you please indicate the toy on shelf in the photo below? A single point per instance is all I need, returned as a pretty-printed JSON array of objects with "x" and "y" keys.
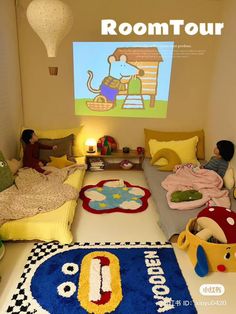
[
  {"x": 106, "y": 145},
  {"x": 126, "y": 150},
  {"x": 126, "y": 164},
  {"x": 140, "y": 150},
  {"x": 210, "y": 240}
]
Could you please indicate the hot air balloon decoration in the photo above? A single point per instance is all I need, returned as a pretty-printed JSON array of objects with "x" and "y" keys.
[{"x": 51, "y": 20}]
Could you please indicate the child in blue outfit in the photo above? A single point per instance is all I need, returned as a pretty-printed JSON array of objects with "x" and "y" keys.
[{"x": 224, "y": 152}]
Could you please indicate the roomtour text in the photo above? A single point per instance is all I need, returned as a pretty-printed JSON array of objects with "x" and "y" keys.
[{"x": 175, "y": 27}]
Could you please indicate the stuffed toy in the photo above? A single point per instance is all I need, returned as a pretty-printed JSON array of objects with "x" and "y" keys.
[
  {"x": 6, "y": 176},
  {"x": 185, "y": 196},
  {"x": 218, "y": 222},
  {"x": 106, "y": 145},
  {"x": 212, "y": 222},
  {"x": 171, "y": 157}
]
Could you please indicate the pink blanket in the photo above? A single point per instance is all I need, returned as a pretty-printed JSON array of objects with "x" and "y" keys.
[{"x": 207, "y": 182}]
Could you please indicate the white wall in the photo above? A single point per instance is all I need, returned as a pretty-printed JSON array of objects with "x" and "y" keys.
[
  {"x": 10, "y": 89},
  {"x": 221, "y": 111},
  {"x": 199, "y": 97},
  {"x": 49, "y": 101}
]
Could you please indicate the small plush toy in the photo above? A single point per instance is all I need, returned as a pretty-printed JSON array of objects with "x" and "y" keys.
[
  {"x": 171, "y": 157},
  {"x": 106, "y": 145},
  {"x": 5, "y": 174},
  {"x": 184, "y": 196}
]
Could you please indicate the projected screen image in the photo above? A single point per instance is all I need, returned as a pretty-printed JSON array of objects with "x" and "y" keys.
[{"x": 122, "y": 79}]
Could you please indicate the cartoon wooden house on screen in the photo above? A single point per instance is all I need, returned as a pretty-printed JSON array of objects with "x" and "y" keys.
[{"x": 148, "y": 60}]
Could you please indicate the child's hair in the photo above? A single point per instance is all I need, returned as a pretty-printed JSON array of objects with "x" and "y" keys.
[
  {"x": 27, "y": 135},
  {"x": 226, "y": 149}
]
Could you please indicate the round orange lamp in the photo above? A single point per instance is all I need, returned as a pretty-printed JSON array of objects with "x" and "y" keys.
[{"x": 90, "y": 142}]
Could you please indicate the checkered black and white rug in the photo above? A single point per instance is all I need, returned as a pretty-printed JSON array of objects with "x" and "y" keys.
[{"x": 55, "y": 275}]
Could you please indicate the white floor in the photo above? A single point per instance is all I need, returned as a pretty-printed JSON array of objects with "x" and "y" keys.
[{"x": 121, "y": 227}]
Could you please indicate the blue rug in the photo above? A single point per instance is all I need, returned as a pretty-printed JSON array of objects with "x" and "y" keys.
[
  {"x": 110, "y": 196},
  {"x": 99, "y": 278}
]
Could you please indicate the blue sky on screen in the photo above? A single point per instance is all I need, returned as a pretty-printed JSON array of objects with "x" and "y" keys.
[{"x": 94, "y": 56}]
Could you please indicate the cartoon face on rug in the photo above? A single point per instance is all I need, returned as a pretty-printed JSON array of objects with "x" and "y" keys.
[
  {"x": 92, "y": 284},
  {"x": 114, "y": 196},
  {"x": 102, "y": 278}
]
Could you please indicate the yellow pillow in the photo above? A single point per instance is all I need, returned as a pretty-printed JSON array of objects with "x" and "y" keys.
[
  {"x": 171, "y": 157},
  {"x": 186, "y": 150},
  {"x": 60, "y": 162},
  {"x": 80, "y": 160},
  {"x": 175, "y": 136},
  {"x": 229, "y": 178},
  {"x": 60, "y": 133}
]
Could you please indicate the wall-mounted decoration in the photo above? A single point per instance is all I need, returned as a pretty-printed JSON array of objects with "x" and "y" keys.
[
  {"x": 51, "y": 20},
  {"x": 122, "y": 79}
]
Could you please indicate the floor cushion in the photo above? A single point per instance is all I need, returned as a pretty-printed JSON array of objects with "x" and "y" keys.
[{"x": 53, "y": 225}]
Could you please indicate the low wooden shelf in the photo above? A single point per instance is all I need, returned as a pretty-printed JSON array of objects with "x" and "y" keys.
[{"x": 118, "y": 155}]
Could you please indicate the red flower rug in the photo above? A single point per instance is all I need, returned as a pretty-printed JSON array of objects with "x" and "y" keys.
[{"x": 109, "y": 196}]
